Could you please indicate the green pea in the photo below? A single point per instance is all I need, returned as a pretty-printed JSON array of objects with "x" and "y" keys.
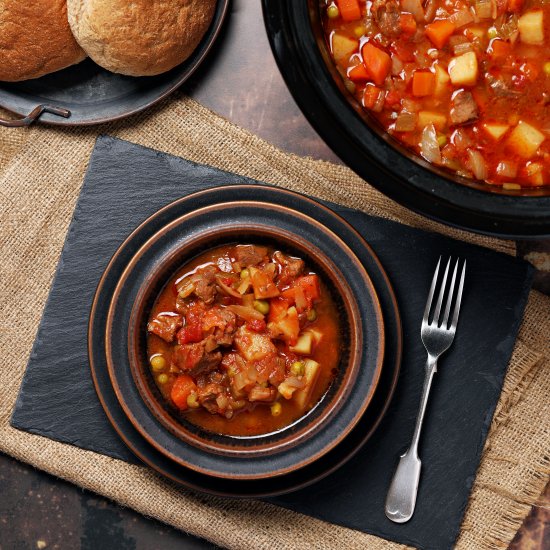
[
  {"x": 297, "y": 368},
  {"x": 245, "y": 273},
  {"x": 332, "y": 11},
  {"x": 158, "y": 363},
  {"x": 311, "y": 315},
  {"x": 192, "y": 401},
  {"x": 276, "y": 409},
  {"x": 162, "y": 378},
  {"x": 262, "y": 306}
]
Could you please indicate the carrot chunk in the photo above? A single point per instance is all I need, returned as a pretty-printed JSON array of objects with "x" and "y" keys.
[
  {"x": 181, "y": 390},
  {"x": 515, "y": 5},
  {"x": 407, "y": 23},
  {"x": 498, "y": 48},
  {"x": 439, "y": 32},
  {"x": 359, "y": 73},
  {"x": 349, "y": 9},
  {"x": 423, "y": 83},
  {"x": 377, "y": 62}
]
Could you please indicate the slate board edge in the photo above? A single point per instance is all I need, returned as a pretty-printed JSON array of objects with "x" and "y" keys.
[{"x": 105, "y": 141}]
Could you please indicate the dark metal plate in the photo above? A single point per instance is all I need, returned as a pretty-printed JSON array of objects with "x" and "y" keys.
[{"x": 94, "y": 95}]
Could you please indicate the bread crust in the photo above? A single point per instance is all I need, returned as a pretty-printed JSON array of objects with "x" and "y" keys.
[
  {"x": 142, "y": 37},
  {"x": 35, "y": 39}
]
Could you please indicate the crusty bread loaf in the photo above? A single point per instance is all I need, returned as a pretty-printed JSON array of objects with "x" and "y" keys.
[
  {"x": 35, "y": 39},
  {"x": 141, "y": 37}
]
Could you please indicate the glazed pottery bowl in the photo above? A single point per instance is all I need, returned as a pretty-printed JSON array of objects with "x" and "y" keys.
[
  {"x": 296, "y": 36},
  {"x": 310, "y": 437}
]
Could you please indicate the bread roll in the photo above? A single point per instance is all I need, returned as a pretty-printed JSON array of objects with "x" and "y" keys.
[
  {"x": 35, "y": 39},
  {"x": 141, "y": 37}
]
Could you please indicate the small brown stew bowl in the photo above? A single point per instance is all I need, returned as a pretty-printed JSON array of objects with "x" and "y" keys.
[{"x": 304, "y": 439}]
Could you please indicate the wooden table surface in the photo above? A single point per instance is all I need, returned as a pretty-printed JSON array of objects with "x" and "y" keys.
[{"x": 241, "y": 82}]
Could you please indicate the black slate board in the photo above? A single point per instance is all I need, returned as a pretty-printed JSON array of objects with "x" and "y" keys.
[{"x": 126, "y": 183}]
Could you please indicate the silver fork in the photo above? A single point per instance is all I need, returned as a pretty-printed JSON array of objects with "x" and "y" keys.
[{"x": 437, "y": 338}]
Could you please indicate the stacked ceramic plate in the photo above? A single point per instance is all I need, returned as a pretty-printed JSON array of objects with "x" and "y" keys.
[{"x": 330, "y": 430}]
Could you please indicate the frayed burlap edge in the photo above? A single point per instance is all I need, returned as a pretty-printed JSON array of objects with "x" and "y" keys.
[{"x": 41, "y": 170}]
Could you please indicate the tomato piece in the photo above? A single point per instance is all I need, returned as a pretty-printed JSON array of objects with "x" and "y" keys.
[
  {"x": 190, "y": 333},
  {"x": 257, "y": 325},
  {"x": 183, "y": 386}
]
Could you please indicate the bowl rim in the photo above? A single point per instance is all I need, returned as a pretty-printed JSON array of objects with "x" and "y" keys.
[
  {"x": 176, "y": 429},
  {"x": 297, "y": 48}
]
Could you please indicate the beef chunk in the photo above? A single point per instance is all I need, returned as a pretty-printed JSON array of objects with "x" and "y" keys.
[
  {"x": 290, "y": 267},
  {"x": 221, "y": 323},
  {"x": 386, "y": 14},
  {"x": 464, "y": 108},
  {"x": 165, "y": 325},
  {"x": 247, "y": 255},
  {"x": 194, "y": 359},
  {"x": 205, "y": 287}
]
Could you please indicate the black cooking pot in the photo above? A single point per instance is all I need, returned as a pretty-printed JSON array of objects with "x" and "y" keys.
[{"x": 296, "y": 37}]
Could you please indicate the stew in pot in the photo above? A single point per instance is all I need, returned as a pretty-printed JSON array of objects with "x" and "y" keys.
[{"x": 463, "y": 83}]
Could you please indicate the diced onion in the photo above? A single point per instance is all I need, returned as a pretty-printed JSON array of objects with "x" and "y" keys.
[
  {"x": 227, "y": 289},
  {"x": 477, "y": 164},
  {"x": 507, "y": 169},
  {"x": 431, "y": 6},
  {"x": 247, "y": 313},
  {"x": 405, "y": 122},
  {"x": 429, "y": 148},
  {"x": 460, "y": 140},
  {"x": 396, "y": 65},
  {"x": 295, "y": 382},
  {"x": 415, "y": 8},
  {"x": 461, "y": 18},
  {"x": 483, "y": 9},
  {"x": 461, "y": 49}
]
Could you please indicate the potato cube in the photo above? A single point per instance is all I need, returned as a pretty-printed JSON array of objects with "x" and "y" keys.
[
  {"x": 343, "y": 47},
  {"x": 531, "y": 27},
  {"x": 252, "y": 345},
  {"x": 495, "y": 130},
  {"x": 431, "y": 117},
  {"x": 303, "y": 345},
  {"x": 303, "y": 395},
  {"x": 316, "y": 334},
  {"x": 441, "y": 80},
  {"x": 463, "y": 69},
  {"x": 535, "y": 172},
  {"x": 525, "y": 140}
]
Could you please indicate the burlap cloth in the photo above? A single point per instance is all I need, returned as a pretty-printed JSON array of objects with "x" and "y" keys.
[{"x": 41, "y": 171}]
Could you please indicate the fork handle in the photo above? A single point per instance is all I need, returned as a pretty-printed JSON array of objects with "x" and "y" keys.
[{"x": 401, "y": 498}]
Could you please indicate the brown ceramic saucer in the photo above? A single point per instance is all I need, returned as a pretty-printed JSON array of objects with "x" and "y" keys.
[
  {"x": 235, "y": 487},
  {"x": 310, "y": 437}
]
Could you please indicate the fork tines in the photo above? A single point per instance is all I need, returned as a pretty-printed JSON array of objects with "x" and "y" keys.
[{"x": 450, "y": 291}]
